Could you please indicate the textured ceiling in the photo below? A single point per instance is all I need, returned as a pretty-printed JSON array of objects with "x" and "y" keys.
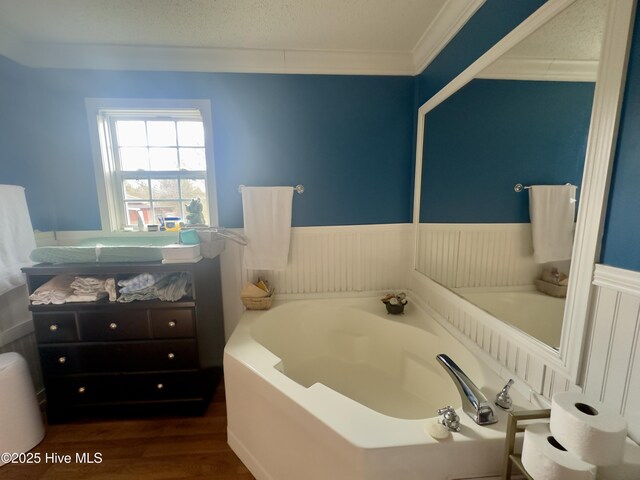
[
  {"x": 351, "y": 25},
  {"x": 575, "y": 34}
]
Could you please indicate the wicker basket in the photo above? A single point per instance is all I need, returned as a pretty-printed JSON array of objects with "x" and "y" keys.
[
  {"x": 258, "y": 303},
  {"x": 552, "y": 289}
]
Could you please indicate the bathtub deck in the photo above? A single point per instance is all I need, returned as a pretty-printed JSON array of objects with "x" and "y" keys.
[{"x": 167, "y": 448}]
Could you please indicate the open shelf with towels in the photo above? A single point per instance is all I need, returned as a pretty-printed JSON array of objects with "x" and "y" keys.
[{"x": 104, "y": 358}]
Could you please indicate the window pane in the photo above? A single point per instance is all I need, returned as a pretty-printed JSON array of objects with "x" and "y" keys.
[
  {"x": 131, "y": 209},
  {"x": 167, "y": 209},
  {"x": 190, "y": 134},
  {"x": 164, "y": 188},
  {"x": 134, "y": 158},
  {"x": 192, "y": 159},
  {"x": 131, "y": 133},
  {"x": 161, "y": 133},
  {"x": 195, "y": 188},
  {"x": 137, "y": 189},
  {"x": 163, "y": 158}
]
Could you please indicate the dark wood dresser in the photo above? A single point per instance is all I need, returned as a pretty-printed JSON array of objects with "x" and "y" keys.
[{"x": 105, "y": 358}]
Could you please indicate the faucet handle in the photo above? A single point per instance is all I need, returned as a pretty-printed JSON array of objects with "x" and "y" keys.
[
  {"x": 503, "y": 399},
  {"x": 450, "y": 420}
]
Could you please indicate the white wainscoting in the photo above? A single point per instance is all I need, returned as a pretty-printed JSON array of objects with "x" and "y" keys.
[
  {"x": 611, "y": 358},
  {"x": 491, "y": 340},
  {"x": 355, "y": 259},
  {"x": 611, "y": 371},
  {"x": 477, "y": 255}
]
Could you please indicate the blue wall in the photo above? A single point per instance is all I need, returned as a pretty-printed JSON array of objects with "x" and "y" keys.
[
  {"x": 260, "y": 119},
  {"x": 349, "y": 140},
  {"x": 494, "y": 20},
  {"x": 621, "y": 242},
  {"x": 493, "y": 134},
  {"x": 19, "y": 137},
  {"x": 346, "y": 138}
]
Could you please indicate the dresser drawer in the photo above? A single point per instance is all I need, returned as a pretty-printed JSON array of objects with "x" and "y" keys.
[
  {"x": 108, "y": 326},
  {"x": 125, "y": 388},
  {"x": 119, "y": 357},
  {"x": 60, "y": 359},
  {"x": 174, "y": 355},
  {"x": 172, "y": 322},
  {"x": 166, "y": 386},
  {"x": 55, "y": 327}
]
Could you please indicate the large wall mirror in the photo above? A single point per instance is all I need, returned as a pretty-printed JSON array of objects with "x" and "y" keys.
[{"x": 521, "y": 118}]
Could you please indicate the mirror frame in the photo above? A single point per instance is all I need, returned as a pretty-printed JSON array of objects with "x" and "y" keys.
[{"x": 594, "y": 189}]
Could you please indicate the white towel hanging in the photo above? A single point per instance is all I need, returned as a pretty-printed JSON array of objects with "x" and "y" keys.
[
  {"x": 552, "y": 212},
  {"x": 267, "y": 226},
  {"x": 16, "y": 237}
]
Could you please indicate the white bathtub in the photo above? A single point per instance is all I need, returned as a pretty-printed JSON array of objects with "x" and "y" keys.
[
  {"x": 533, "y": 312},
  {"x": 337, "y": 389}
]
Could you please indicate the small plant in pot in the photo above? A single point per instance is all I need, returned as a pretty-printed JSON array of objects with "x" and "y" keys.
[{"x": 395, "y": 302}]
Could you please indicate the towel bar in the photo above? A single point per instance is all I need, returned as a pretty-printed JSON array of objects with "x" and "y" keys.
[
  {"x": 298, "y": 188},
  {"x": 518, "y": 187}
]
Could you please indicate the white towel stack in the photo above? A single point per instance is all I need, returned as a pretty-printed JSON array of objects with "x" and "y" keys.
[
  {"x": 91, "y": 289},
  {"x": 55, "y": 291},
  {"x": 69, "y": 289}
]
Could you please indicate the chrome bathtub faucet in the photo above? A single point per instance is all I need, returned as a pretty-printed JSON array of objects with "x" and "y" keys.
[
  {"x": 474, "y": 403},
  {"x": 450, "y": 420},
  {"x": 503, "y": 399}
]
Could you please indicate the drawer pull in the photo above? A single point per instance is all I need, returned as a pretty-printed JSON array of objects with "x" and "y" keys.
[
  {"x": 53, "y": 327},
  {"x": 62, "y": 360},
  {"x": 171, "y": 356},
  {"x": 172, "y": 323},
  {"x": 82, "y": 390},
  {"x": 160, "y": 386},
  {"x": 113, "y": 325}
]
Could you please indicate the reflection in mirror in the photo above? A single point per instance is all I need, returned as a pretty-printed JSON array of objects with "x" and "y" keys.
[{"x": 524, "y": 119}]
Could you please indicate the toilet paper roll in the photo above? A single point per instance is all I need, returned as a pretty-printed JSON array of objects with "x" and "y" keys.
[
  {"x": 545, "y": 459},
  {"x": 590, "y": 430}
]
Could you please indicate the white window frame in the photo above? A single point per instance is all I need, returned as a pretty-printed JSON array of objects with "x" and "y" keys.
[{"x": 109, "y": 191}]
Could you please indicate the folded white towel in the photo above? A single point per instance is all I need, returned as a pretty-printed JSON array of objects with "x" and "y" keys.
[
  {"x": 552, "y": 212},
  {"x": 85, "y": 297},
  {"x": 90, "y": 289},
  {"x": 84, "y": 285},
  {"x": 267, "y": 226},
  {"x": 55, "y": 291}
]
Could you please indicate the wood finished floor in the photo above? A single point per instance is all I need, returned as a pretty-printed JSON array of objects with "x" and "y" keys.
[{"x": 155, "y": 448}]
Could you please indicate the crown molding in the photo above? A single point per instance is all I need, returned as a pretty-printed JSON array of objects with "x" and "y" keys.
[
  {"x": 450, "y": 19},
  {"x": 241, "y": 60},
  {"x": 542, "y": 69}
]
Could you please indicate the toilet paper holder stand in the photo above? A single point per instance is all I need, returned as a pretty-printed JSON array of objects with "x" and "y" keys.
[{"x": 512, "y": 459}]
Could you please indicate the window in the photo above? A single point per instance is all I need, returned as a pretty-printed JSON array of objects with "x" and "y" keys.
[{"x": 152, "y": 161}]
